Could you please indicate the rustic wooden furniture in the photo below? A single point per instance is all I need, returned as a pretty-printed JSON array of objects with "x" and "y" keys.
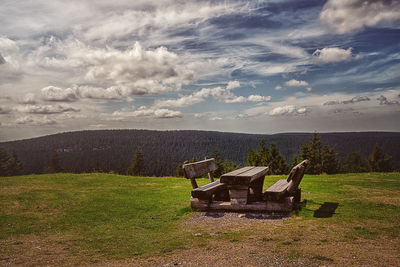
[
  {"x": 215, "y": 190},
  {"x": 245, "y": 184},
  {"x": 241, "y": 190},
  {"x": 289, "y": 187}
]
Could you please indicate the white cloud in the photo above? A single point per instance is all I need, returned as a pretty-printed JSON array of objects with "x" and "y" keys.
[
  {"x": 346, "y": 16},
  {"x": 296, "y": 83},
  {"x": 215, "y": 119},
  {"x": 52, "y": 93},
  {"x": 7, "y": 45},
  {"x": 232, "y": 85},
  {"x": 332, "y": 54},
  {"x": 141, "y": 71},
  {"x": 353, "y": 100},
  {"x": 35, "y": 121},
  {"x": 135, "y": 70},
  {"x": 110, "y": 93},
  {"x": 318, "y": 106},
  {"x": 149, "y": 112},
  {"x": 29, "y": 98},
  {"x": 183, "y": 101},
  {"x": 4, "y": 110},
  {"x": 219, "y": 93},
  {"x": 141, "y": 18},
  {"x": 235, "y": 99},
  {"x": 278, "y": 88},
  {"x": 309, "y": 89},
  {"x": 258, "y": 98},
  {"x": 45, "y": 109},
  {"x": 287, "y": 110}
]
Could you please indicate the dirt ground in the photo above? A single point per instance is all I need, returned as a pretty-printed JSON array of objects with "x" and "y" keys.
[{"x": 222, "y": 239}]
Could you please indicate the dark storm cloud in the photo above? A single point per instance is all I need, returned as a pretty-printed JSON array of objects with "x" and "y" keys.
[
  {"x": 2, "y": 60},
  {"x": 384, "y": 101}
]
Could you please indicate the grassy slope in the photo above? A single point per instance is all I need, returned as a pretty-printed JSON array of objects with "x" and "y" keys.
[{"x": 116, "y": 217}]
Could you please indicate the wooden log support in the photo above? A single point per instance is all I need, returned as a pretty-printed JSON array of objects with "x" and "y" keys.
[
  {"x": 285, "y": 206},
  {"x": 245, "y": 184}
]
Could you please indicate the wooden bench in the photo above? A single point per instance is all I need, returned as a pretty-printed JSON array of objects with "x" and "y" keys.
[
  {"x": 288, "y": 187},
  {"x": 215, "y": 190}
]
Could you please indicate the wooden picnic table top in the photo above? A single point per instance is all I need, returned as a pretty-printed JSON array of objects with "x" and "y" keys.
[{"x": 243, "y": 176}]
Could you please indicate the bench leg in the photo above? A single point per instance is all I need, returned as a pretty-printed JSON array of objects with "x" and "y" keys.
[
  {"x": 256, "y": 190},
  {"x": 297, "y": 196}
]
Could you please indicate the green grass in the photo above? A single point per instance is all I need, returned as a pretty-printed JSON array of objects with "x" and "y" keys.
[
  {"x": 116, "y": 216},
  {"x": 119, "y": 217}
]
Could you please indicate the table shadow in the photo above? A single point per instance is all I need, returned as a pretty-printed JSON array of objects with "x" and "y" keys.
[{"x": 326, "y": 210}]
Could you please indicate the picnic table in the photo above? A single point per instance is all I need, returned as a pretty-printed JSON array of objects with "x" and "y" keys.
[
  {"x": 242, "y": 189},
  {"x": 245, "y": 184}
]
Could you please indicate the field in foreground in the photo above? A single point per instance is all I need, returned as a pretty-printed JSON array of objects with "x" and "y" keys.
[{"x": 350, "y": 219}]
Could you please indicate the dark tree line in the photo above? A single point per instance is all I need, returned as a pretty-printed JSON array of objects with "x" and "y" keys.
[{"x": 163, "y": 151}]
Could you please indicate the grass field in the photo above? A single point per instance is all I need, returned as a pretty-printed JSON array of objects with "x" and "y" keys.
[{"x": 97, "y": 218}]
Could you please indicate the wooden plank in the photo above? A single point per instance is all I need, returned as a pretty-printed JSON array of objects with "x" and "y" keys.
[
  {"x": 238, "y": 171},
  {"x": 244, "y": 175},
  {"x": 255, "y": 171},
  {"x": 199, "y": 168},
  {"x": 279, "y": 186},
  {"x": 206, "y": 191},
  {"x": 277, "y": 190}
]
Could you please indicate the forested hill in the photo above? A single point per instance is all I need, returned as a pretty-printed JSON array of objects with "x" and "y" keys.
[{"x": 112, "y": 150}]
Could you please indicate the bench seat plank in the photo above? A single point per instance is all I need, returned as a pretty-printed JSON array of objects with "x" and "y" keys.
[
  {"x": 206, "y": 191},
  {"x": 279, "y": 186}
]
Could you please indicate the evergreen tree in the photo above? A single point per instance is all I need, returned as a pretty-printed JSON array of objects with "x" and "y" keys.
[
  {"x": 221, "y": 168},
  {"x": 54, "y": 164},
  {"x": 230, "y": 166},
  {"x": 267, "y": 157},
  {"x": 304, "y": 153},
  {"x": 137, "y": 166},
  {"x": 264, "y": 154},
  {"x": 315, "y": 155},
  {"x": 378, "y": 161},
  {"x": 322, "y": 158},
  {"x": 258, "y": 157},
  {"x": 330, "y": 162},
  {"x": 13, "y": 166},
  {"x": 277, "y": 164},
  {"x": 253, "y": 158},
  {"x": 295, "y": 160},
  {"x": 179, "y": 170},
  {"x": 355, "y": 163}
]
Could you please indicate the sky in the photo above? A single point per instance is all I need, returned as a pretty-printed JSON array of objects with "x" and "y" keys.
[{"x": 234, "y": 66}]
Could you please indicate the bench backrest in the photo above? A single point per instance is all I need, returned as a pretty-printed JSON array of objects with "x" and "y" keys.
[
  {"x": 198, "y": 169},
  {"x": 295, "y": 176}
]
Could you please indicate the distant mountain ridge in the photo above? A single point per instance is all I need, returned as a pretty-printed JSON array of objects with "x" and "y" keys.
[{"x": 112, "y": 150}]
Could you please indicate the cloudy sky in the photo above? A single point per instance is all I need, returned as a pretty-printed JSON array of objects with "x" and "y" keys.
[{"x": 241, "y": 66}]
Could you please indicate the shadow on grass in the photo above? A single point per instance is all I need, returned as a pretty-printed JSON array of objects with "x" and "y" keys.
[{"x": 326, "y": 210}]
